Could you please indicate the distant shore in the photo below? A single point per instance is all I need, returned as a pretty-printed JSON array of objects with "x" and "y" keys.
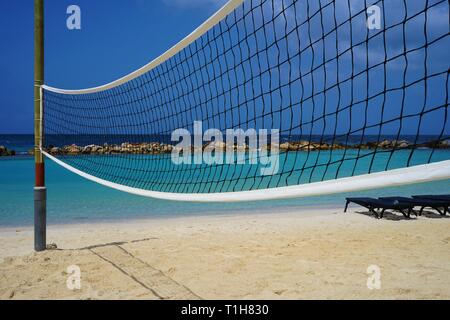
[
  {"x": 165, "y": 148},
  {"x": 5, "y": 152}
]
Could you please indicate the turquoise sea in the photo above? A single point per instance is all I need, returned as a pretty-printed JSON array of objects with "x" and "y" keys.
[{"x": 72, "y": 199}]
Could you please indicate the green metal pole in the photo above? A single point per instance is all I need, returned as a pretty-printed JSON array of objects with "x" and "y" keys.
[{"x": 40, "y": 192}]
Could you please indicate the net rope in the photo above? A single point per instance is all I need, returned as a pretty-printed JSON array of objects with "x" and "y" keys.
[{"x": 346, "y": 100}]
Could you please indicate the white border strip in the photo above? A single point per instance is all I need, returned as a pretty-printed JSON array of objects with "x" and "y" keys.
[
  {"x": 197, "y": 33},
  {"x": 421, "y": 173}
]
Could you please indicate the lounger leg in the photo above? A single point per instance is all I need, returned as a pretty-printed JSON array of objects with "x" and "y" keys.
[
  {"x": 381, "y": 214},
  {"x": 408, "y": 214},
  {"x": 421, "y": 210},
  {"x": 346, "y": 206},
  {"x": 438, "y": 210}
]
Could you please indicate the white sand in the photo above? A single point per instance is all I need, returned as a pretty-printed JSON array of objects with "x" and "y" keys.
[{"x": 297, "y": 255}]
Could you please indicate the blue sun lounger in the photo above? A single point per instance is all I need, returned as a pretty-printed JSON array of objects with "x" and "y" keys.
[
  {"x": 439, "y": 204},
  {"x": 379, "y": 206}
]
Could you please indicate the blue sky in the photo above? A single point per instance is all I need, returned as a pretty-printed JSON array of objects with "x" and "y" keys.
[
  {"x": 116, "y": 38},
  {"x": 120, "y": 36}
]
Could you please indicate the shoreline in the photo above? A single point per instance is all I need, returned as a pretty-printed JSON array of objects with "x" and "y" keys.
[
  {"x": 226, "y": 213},
  {"x": 338, "y": 206},
  {"x": 303, "y": 254}
]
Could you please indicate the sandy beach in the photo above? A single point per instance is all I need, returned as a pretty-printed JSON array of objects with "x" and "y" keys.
[{"x": 319, "y": 253}]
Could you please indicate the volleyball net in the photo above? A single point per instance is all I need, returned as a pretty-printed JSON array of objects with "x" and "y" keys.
[{"x": 270, "y": 99}]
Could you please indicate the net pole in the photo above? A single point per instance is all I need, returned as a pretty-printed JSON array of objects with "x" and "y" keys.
[{"x": 40, "y": 192}]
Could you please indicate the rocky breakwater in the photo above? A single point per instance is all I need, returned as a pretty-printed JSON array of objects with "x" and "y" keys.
[
  {"x": 384, "y": 144},
  {"x": 403, "y": 144},
  {"x": 162, "y": 148},
  {"x": 5, "y": 152},
  {"x": 309, "y": 146},
  {"x": 106, "y": 149}
]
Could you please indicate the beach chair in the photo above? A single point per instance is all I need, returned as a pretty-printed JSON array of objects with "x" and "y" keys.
[
  {"x": 440, "y": 205},
  {"x": 379, "y": 206}
]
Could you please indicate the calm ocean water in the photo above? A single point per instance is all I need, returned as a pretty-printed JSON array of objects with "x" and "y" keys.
[{"x": 72, "y": 199}]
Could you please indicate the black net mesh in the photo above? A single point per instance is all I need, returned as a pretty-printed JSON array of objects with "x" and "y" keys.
[{"x": 347, "y": 99}]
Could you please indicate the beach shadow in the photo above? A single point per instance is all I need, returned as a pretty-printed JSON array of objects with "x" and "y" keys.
[
  {"x": 156, "y": 282},
  {"x": 101, "y": 245},
  {"x": 118, "y": 243},
  {"x": 434, "y": 215},
  {"x": 388, "y": 215}
]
